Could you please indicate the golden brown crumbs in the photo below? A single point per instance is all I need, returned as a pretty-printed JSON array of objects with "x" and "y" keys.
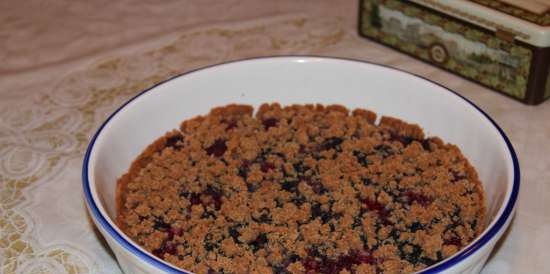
[{"x": 300, "y": 189}]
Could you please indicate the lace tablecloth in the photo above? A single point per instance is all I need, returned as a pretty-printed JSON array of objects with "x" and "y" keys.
[{"x": 65, "y": 65}]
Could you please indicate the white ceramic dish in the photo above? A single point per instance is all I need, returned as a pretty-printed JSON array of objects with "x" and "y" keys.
[{"x": 290, "y": 80}]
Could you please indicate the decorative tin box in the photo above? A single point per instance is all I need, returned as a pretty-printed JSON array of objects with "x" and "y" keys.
[{"x": 495, "y": 43}]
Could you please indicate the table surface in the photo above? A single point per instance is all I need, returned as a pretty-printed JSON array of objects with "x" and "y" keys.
[{"x": 65, "y": 65}]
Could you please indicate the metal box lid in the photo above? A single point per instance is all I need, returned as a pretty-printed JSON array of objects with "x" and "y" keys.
[{"x": 524, "y": 20}]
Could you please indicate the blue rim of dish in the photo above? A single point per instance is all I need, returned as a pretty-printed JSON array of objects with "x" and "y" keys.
[{"x": 463, "y": 254}]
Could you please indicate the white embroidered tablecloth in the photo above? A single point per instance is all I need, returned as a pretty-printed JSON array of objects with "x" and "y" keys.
[{"x": 65, "y": 65}]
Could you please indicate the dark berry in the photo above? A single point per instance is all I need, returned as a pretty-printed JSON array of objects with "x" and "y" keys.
[
  {"x": 361, "y": 158},
  {"x": 270, "y": 122},
  {"x": 364, "y": 257},
  {"x": 165, "y": 248},
  {"x": 384, "y": 150},
  {"x": 170, "y": 248},
  {"x": 208, "y": 214},
  {"x": 373, "y": 205},
  {"x": 279, "y": 270},
  {"x": 159, "y": 253},
  {"x": 259, "y": 242},
  {"x": 292, "y": 259},
  {"x": 266, "y": 167},
  {"x": 302, "y": 149},
  {"x": 332, "y": 143},
  {"x": 264, "y": 218},
  {"x": 334, "y": 266},
  {"x": 174, "y": 232},
  {"x": 367, "y": 181},
  {"x": 215, "y": 196},
  {"x": 327, "y": 216},
  {"x": 314, "y": 252},
  {"x": 455, "y": 240},
  {"x": 230, "y": 124},
  {"x": 299, "y": 168},
  {"x": 290, "y": 185},
  {"x": 209, "y": 246},
  {"x": 234, "y": 233},
  {"x": 416, "y": 226},
  {"x": 419, "y": 198},
  {"x": 473, "y": 225},
  {"x": 457, "y": 176},
  {"x": 251, "y": 187},
  {"x": 414, "y": 256},
  {"x": 316, "y": 211},
  {"x": 426, "y": 145},
  {"x": 311, "y": 265},
  {"x": 217, "y": 149},
  {"x": 286, "y": 262},
  {"x": 357, "y": 222},
  {"x": 160, "y": 225},
  {"x": 315, "y": 185},
  {"x": 427, "y": 261},
  {"x": 174, "y": 141},
  {"x": 394, "y": 235},
  {"x": 404, "y": 140},
  {"x": 380, "y": 209},
  {"x": 297, "y": 200},
  {"x": 243, "y": 169},
  {"x": 195, "y": 199}
]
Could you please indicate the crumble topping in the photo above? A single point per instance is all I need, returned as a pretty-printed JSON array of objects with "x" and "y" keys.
[{"x": 300, "y": 189}]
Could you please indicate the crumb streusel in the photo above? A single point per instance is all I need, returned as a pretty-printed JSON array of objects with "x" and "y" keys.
[{"x": 300, "y": 189}]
